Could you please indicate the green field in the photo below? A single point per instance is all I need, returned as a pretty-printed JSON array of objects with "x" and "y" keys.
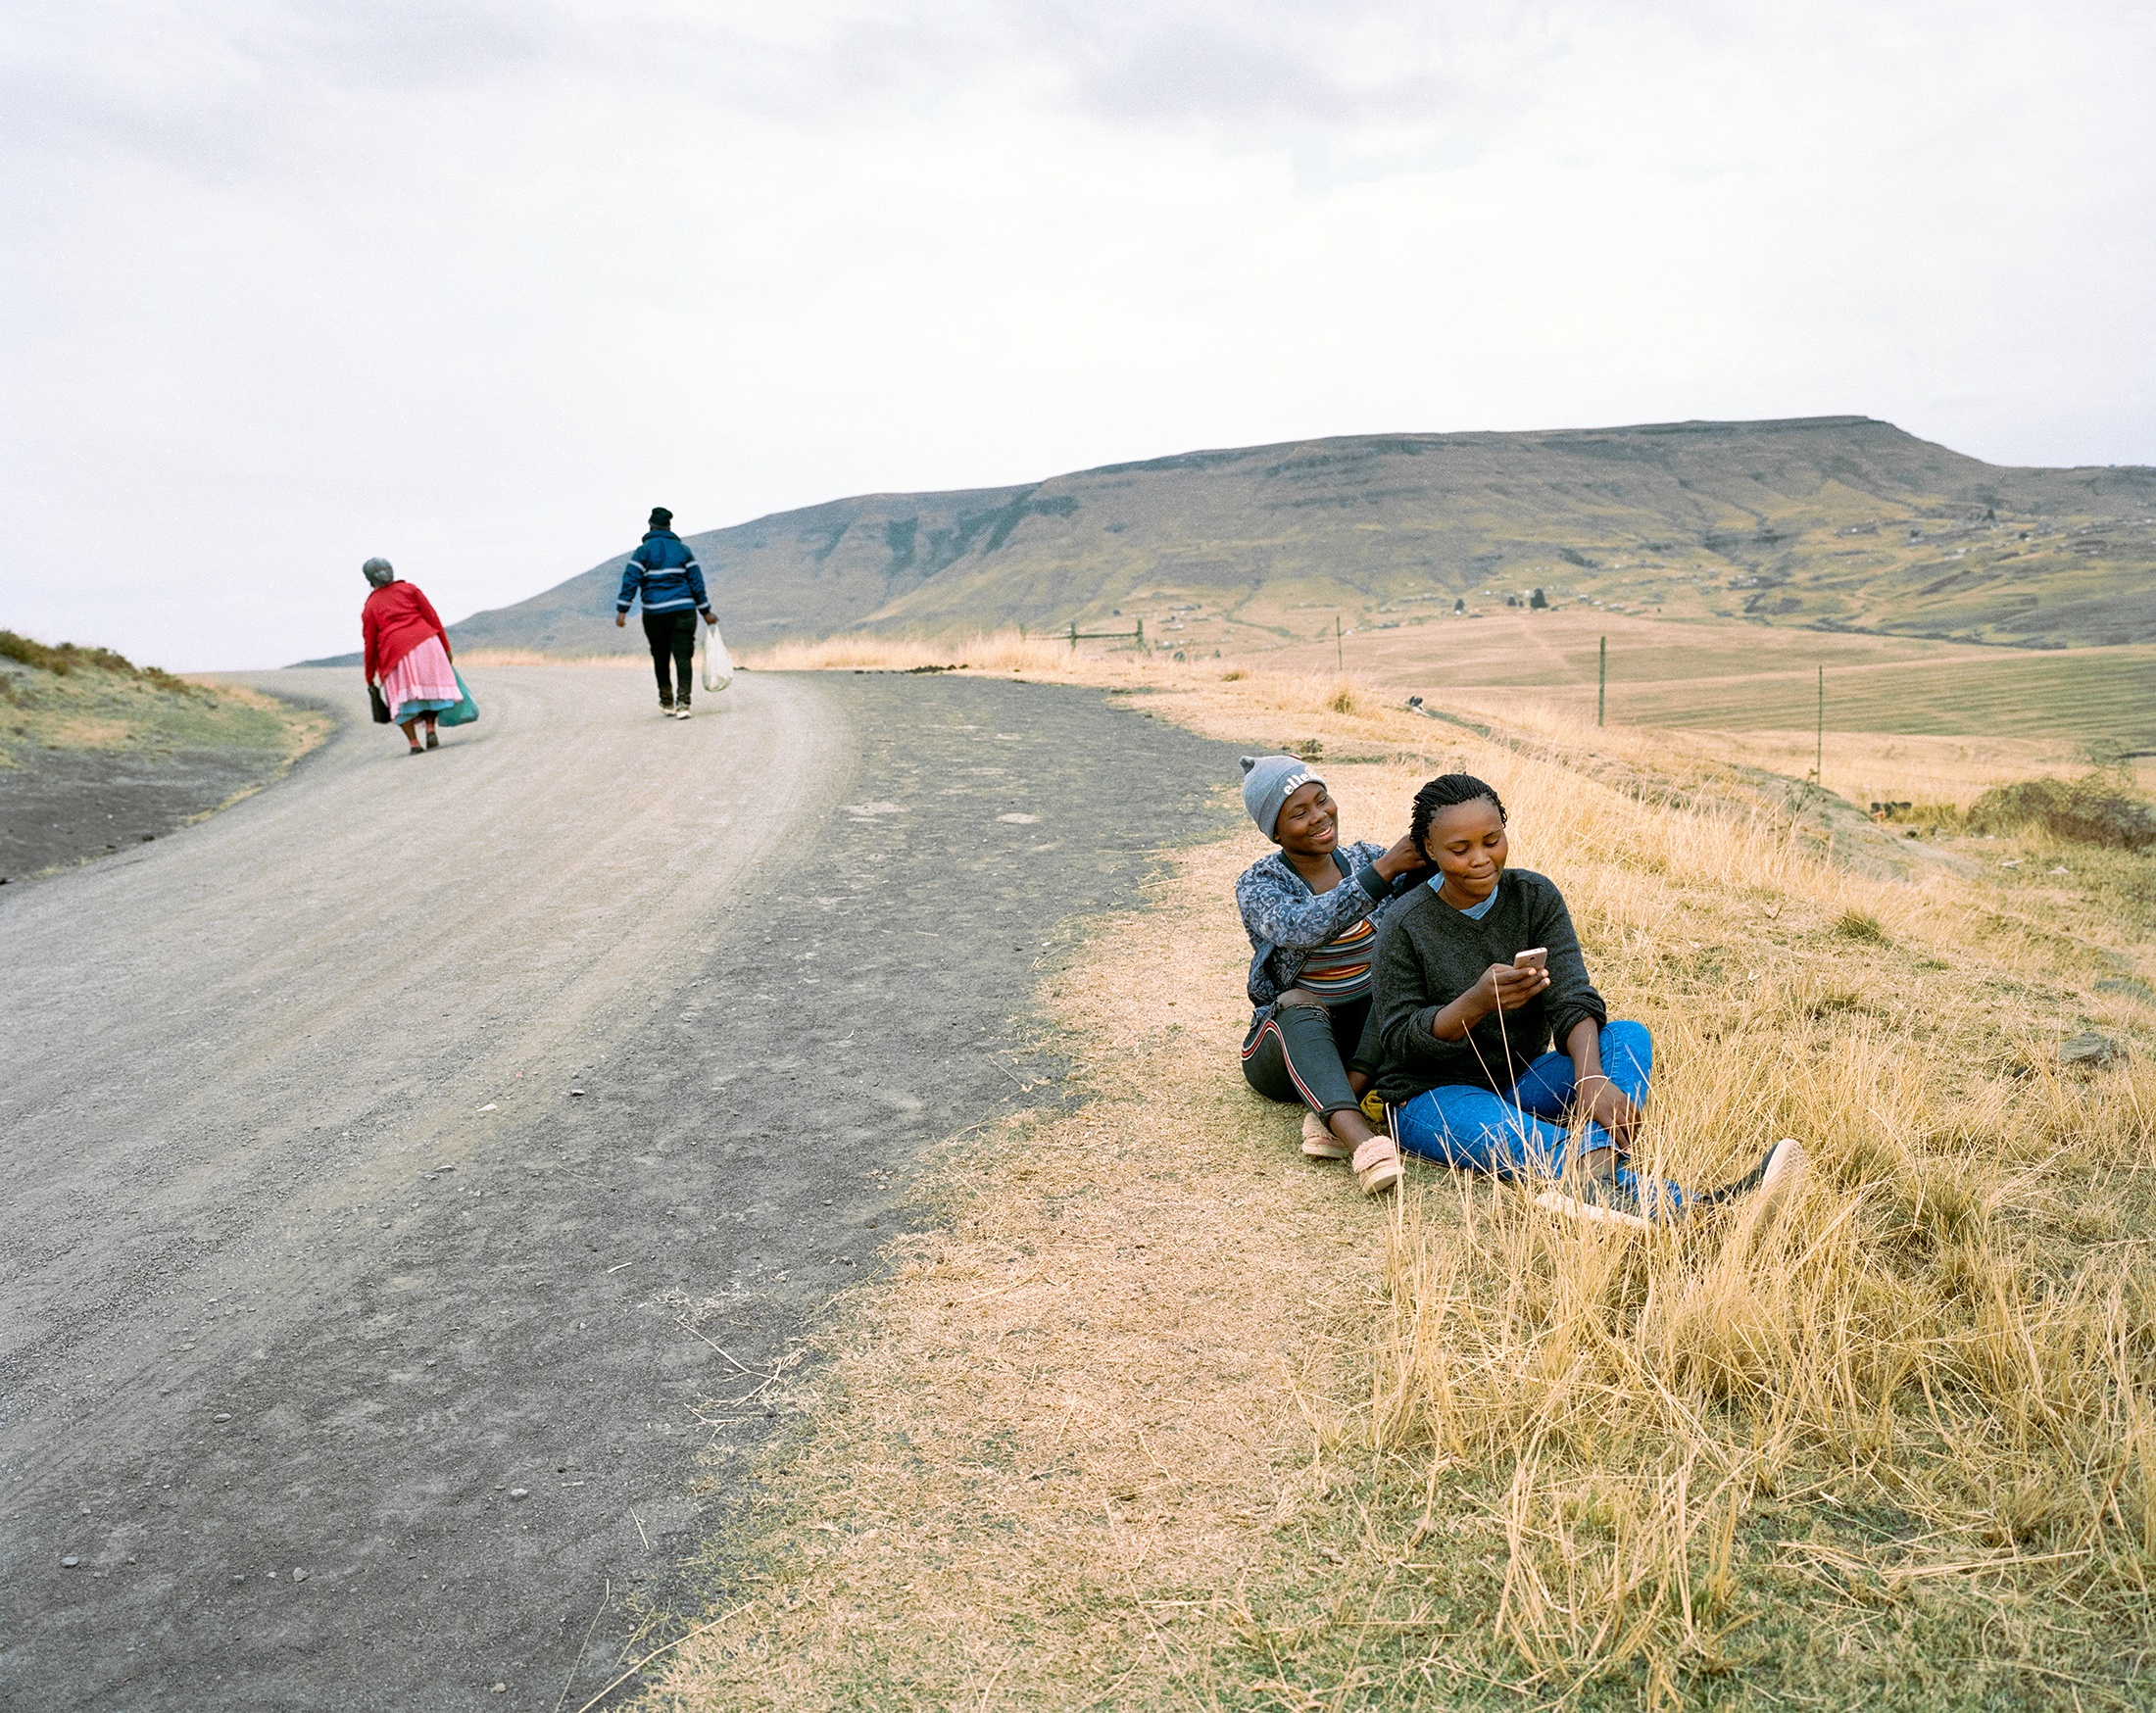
[
  {"x": 2080, "y": 695},
  {"x": 1749, "y": 677}
]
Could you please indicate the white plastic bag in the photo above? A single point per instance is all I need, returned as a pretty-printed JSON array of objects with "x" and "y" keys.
[{"x": 715, "y": 666}]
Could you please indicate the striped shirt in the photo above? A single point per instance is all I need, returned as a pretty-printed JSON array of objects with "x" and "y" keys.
[{"x": 1339, "y": 969}]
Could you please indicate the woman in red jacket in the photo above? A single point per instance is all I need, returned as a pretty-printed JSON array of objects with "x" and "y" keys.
[{"x": 407, "y": 655}]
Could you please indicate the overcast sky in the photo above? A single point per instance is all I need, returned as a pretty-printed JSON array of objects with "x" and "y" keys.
[{"x": 474, "y": 283}]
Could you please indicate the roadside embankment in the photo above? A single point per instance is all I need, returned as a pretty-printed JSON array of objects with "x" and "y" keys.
[
  {"x": 1155, "y": 1412},
  {"x": 97, "y": 754}
]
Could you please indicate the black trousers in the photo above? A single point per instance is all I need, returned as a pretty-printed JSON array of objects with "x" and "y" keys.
[
  {"x": 1304, "y": 1052},
  {"x": 672, "y": 636}
]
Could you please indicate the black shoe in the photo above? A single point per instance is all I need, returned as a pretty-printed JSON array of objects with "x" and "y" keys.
[
  {"x": 1771, "y": 1178},
  {"x": 432, "y": 742},
  {"x": 665, "y": 702}
]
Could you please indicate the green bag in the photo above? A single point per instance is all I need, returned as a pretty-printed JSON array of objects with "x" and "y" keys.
[{"x": 466, "y": 712}]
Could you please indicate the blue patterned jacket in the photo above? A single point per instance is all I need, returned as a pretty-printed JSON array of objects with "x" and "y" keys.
[
  {"x": 1286, "y": 922},
  {"x": 666, "y": 573}
]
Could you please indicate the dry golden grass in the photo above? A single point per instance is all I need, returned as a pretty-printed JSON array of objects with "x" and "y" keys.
[
  {"x": 994, "y": 652},
  {"x": 532, "y": 657},
  {"x": 1162, "y": 1415}
]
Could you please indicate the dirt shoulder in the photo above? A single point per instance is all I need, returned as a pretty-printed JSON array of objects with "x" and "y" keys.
[{"x": 101, "y": 757}]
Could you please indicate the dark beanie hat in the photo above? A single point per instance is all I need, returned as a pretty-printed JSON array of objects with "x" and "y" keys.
[{"x": 661, "y": 517}]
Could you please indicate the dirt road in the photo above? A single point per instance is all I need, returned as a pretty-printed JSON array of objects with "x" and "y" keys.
[{"x": 411, "y": 1168}]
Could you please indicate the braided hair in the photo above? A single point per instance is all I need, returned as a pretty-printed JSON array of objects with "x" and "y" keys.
[{"x": 1442, "y": 793}]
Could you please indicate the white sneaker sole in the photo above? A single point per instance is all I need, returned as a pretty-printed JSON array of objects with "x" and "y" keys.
[
  {"x": 1559, "y": 1202},
  {"x": 1785, "y": 1164}
]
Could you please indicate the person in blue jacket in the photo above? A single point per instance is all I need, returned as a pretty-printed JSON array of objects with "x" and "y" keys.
[{"x": 664, "y": 573}]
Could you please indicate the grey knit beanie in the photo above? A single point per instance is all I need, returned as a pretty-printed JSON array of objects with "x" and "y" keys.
[
  {"x": 377, "y": 572},
  {"x": 1268, "y": 781}
]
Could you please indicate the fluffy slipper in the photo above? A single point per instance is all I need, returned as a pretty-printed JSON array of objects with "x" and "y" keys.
[
  {"x": 1319, "y": 1142},
  {"x": 1378, "y": 1166}
]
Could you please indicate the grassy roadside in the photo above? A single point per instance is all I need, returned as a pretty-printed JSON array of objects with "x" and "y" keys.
[
  {"x": 96, "y": 752},
  {"x": 65, "y": 698},
  {"x": 1160, "y": 1414}
]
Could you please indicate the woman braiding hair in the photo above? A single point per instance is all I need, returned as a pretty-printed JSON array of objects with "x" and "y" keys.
[
  {"x": 1479, "y": 973},
  {"x": 1311, "y": 910}
]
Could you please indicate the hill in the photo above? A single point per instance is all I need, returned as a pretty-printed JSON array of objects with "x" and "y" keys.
[{"x": 1835, "y": 523}]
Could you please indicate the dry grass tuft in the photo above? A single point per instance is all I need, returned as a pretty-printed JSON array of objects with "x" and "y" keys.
[
  {"x": 2094, "y": 810},
  {"x": 1162, "y": 1415},
  {"x": 532, "y": 657}
]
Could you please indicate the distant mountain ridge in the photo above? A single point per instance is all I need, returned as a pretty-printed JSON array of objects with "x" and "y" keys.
[{"x": 1831, "y": 521}]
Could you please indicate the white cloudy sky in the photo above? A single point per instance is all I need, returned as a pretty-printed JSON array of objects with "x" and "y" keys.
[{"x": 473, "y": 283}]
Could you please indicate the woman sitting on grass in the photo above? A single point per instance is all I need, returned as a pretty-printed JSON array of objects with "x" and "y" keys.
[
  {"x": 1477, "y": 974},
  {"x": 1310, "y": 909}
]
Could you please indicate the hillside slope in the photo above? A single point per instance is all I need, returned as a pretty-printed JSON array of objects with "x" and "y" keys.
[{"x": 1831, "y": 521}]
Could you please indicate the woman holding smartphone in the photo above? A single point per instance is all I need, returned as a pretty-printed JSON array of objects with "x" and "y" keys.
[{"x": 1477, "y": 977}]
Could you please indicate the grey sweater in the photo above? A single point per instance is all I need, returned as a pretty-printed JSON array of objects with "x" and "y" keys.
[{"x": 1430, "y": 954}]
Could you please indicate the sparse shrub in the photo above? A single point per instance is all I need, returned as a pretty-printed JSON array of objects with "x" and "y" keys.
[
  {"x": 62, "y": 660},
  {"x": 2090, "y": 811},
  {"x": 65, "y": 657},
  {"x": 1231, "y": 674},
  {"x": 1342, "y": 700},
  {"x": 1861, "y": 926}
]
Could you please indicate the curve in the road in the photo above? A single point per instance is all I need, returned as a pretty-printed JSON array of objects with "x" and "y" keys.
[{"x": 313, "y": 1259}]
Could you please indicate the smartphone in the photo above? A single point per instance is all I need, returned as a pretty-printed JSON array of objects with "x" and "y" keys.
[{"x": 1539, "y": 958}]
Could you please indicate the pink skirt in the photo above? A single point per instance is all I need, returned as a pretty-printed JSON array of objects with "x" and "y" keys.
[{"x": 420, "y": 683}]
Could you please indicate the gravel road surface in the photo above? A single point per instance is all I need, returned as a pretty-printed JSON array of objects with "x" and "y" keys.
[{"x": 412, "y": 1167}]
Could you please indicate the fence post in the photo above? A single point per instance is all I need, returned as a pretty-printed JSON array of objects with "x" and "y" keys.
[
  {"x": 1074, "y": 636},
  {"x": 1602, "y": 681},
  {"x": 1141, "y": 636},
  {"x": 1819, "y": 741}
]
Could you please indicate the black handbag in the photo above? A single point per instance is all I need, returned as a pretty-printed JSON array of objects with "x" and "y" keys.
[{"x": 374, "y": 698}]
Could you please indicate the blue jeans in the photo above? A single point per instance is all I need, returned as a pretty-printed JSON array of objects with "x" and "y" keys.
[{"x": 1521, "y": 1133}]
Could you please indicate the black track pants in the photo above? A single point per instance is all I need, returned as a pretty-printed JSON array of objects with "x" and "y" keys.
[
  {"x": 1303, "y": 1052},
  {"x": 672, "y": 635}
]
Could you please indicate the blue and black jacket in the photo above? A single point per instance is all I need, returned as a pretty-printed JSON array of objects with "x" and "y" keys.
[{"x": 665, "y": 572}]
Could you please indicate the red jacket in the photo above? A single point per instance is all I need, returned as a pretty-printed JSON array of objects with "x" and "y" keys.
[{"x": 396, "y": 620}]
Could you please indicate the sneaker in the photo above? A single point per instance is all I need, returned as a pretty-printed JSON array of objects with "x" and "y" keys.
[
  {"x": 1637, "y": 1202},
  {"x": 681, "y": 711},
  {"x": 665, "y": 704},
  {"x": 1773, "y": 1178}
]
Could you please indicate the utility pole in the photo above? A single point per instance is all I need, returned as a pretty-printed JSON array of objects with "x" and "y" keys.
[
  {"x": 1340, "y": 654},
  {"x": 1602, "y": 681},
  {"x": 1819, "y": 742}
]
